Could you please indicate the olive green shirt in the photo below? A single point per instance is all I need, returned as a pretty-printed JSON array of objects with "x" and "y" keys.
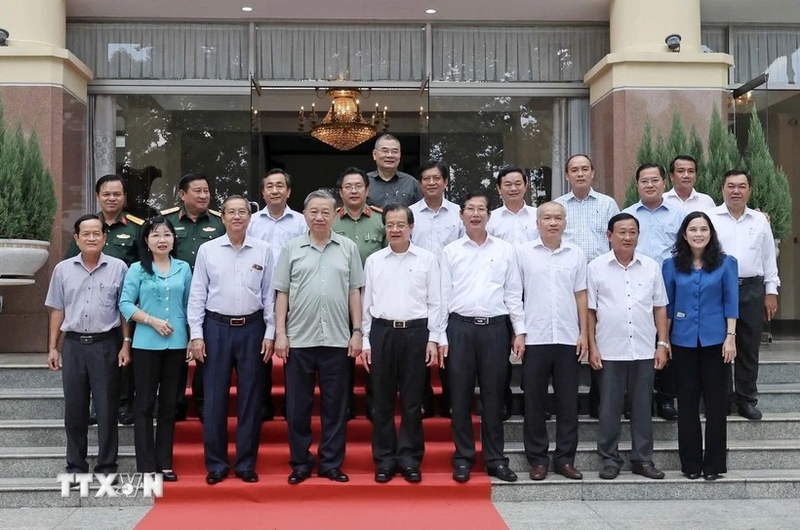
[
  {"x": 318, "y": 283},
  {"x": 122, "y": 239},
  {"x": 366, "y": 232},
  {"x": 189, "y": 235}
]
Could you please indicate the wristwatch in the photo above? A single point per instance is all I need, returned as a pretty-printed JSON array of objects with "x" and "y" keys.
[
  {"x": 663, "y": 343},
  {"x": 358, "y": 329}
]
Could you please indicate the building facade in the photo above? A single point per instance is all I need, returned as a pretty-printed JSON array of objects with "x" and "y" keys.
[{"x": 151, "y": 91}]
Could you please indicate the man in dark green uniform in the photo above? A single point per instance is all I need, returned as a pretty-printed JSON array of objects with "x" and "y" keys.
[
  {"x": 122, "y": 242},
  {"x": 194, "y": 224},
  {"x": 363, "y": 225}
]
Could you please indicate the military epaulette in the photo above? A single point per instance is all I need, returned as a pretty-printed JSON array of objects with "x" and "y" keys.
[
  {"x": 214, "y": 212},
  {"x": 169, "y": 211},
  {"x": 135, "y": 220},
  {"x": 376, "y": 209}
]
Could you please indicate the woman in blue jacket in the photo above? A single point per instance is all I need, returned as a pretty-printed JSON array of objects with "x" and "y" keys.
[
  {"x": 703, "y": 288},
  {"x": 154, "y": 295}
]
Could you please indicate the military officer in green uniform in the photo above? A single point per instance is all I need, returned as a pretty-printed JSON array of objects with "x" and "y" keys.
[
  {"x": 363, "y": 225},
  {"x": 122, "y": 242},
  {"x": 194, "y": 225}
]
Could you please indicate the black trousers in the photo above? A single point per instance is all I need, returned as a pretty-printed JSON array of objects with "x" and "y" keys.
[
  {"x": 303, "y": 367},
  {"x": 444, "y": 399},
  {"x": 127, "y": 381},
  {"x": 702, "y": 373},
  {"x": 398, "y": 363},
  {"x": 665, "y": 384},
  {"x": 268, "y": 408},
  {"x": 748, "y": 340},
  {"x": 157, "y": 375},
  {"x": 482, "y": 351},
  {"x": 91, "y": 368},
  {"x": 229, "y": 347},
  {"x": 539, "y": 364},
  {"x": 197, "y": 387}
]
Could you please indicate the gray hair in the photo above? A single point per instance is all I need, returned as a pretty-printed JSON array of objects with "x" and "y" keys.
[{"x": 319, "y": 194}]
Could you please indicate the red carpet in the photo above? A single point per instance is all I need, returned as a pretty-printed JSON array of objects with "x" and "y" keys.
[{"x": 437, "y": 502}]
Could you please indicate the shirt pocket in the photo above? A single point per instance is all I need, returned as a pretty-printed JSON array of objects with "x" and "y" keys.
[
  {"x": 108, "y": 295},
  {"x": 208, "y": 235},
  {"x": 419, "y": 279},
  {"x": 253, "y": 278},
  {"x": 123, "y": 242}
]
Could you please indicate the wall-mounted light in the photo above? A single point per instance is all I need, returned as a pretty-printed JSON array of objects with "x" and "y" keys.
[{"x": 673, "y": 42}]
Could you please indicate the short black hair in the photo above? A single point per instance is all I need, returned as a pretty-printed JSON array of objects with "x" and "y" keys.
[
  {"x": 685, "y": 158},
  {"x": 352, "y": 171},
  {"x": 576, "y": 155},
  {"x": 398, "y": 207},
  {"x": 88, "y": 217},
  {"x": 277, "y": 171},
  {"x": 438, "y": 164},
  {"x": 650, "y": 165},
  {"x": 622, "y": 216},
  {"x": 105, "y": 179},
  {"x": 471, "y": 195},
  {"x": 189, "y": 178},
  {"x": 511, "y": 169},
  {"x": 736, "y": 173},
  {"x": 144, "y": 250}
]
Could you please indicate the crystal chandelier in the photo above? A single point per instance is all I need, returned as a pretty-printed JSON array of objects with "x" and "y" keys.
[{"x": 344, "y": 127}]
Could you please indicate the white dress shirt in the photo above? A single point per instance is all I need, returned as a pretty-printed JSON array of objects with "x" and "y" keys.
[
  {"x": 587, "y": 221},
  {"x": 481, "y": 281},
  {"x": 550, "y": 279},
  {"x": 277, "y": 232},
  {"x": 748, "y": 239},
  {"x": 624, "y": 298},
  {"x": 513, "y": 227},
  {"x": 402, "y": 287},
  {"x": 697, "y": 202},
  {"x": 231, "y": 282},
  {"x": 435, "y": 230}
]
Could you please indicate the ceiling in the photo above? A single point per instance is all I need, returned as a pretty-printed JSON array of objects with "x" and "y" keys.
[{"x": 713, "y": 11}]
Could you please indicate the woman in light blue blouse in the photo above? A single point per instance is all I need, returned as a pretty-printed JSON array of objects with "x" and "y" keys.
[
  {"x": 154, "y": 295},
  {"x": 703, "y": 288}
]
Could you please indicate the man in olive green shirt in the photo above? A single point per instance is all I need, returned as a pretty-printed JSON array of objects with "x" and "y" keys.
[
  {"x": 363, "y": 225},
  {"x": 318, "y": 280},
  {"x": 194, "y": 225},
  {"x": 122, "y": 242}
]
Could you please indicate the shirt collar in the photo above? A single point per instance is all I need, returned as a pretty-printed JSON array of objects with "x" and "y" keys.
[
  {"x": 287, "y": 212},
  {"x": 183, "y": 213},
  {"x": 592, "y": 194},
  {"x": 539, "y": 243},
  {"x": 366, "y": 210},
  {"x": 639, "y": 205},
  {"x": 526, "y": 210},
  {"x": 612, "y": 258},
  {"x": 225, "y": 241},
  {"x": 334, "y": 238}
]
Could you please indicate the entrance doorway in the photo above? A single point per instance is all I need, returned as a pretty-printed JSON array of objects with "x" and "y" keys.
[{"x": 276, "y": 141}]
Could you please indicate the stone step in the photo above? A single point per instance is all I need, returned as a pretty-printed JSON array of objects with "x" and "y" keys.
[
  {"x": 48, "y": 433},
  {"x": 736, "y": 484},
  {"x": 742, "y": 454},
  {"x": 49, "y": 462},
  {"x": 774, "y": 426},
  {"x": 46, "y": 493}
]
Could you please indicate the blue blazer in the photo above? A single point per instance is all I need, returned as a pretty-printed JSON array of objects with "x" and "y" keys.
[{"x": 700, "y": 301}]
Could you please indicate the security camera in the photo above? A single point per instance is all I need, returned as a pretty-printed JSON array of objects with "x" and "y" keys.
[
  {"x": 3, "y": 37},
  {"x": 673, "y": 42}
]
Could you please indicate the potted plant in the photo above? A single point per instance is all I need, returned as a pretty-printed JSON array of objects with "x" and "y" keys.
[{"x": 27, "y": 206}]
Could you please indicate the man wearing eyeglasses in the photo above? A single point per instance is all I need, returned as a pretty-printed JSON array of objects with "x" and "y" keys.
[
  {"x": 387, "y": 184},
  {"x": 659, "y": 222},
  {"x": 362, "y": 225}
]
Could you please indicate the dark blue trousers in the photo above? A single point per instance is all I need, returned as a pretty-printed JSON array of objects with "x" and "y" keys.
[
  {"x": 304, "y": 365},
  {"x": 229, "y": 347}
]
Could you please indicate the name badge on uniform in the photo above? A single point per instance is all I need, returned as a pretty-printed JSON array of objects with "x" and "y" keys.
[
  {"x": 258, "y": 267},
  {"x": 178, "y": 228},
  {"x": 680, "y": 315},
  {"x": 209, "y": 229},
  {"x": 124, "y": 236}
]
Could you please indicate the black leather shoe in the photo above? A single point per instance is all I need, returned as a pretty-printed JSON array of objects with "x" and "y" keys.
[
  {"x": 609, "y": 472},
  {"x": 647, "y": 470},
  {"x": 125, "y": 418},
  {"x": 502, "y": 472},
  {"x": 749, "y": 411},
  {"x": 169, "y": 475},
  {"x": 335, "y": 475},
  {"x": 247, "y": 476},
  {"x": 667, "y": 410},
  {"x": 384, "y": 475},
  {"x": 594, "y": 410},
  {"x": 461, "y": 474},
  {"x": 412, "y": 474},
  {"x": 506, "y": 413},
  {"x": 692, "y": 476},
  {"x": 298, "y": 476},
  {"x": 712, "y": 476},
  {"x": 215, "y": 477}
]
